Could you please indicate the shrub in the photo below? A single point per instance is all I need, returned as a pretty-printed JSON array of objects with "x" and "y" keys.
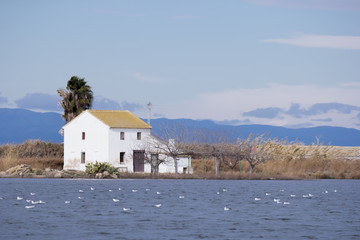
[{"x": 94, "y": 168}]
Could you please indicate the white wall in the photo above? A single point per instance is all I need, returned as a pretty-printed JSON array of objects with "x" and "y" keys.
[
  {"x": 128, "y": 145},
  {"x": 95, "y": 144}
]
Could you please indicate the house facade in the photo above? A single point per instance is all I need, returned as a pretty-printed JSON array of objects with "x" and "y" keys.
[{"x": 116, "y": 137}]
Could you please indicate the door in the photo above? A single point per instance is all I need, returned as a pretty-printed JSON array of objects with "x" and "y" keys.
[{"x": 138, "y": 161}]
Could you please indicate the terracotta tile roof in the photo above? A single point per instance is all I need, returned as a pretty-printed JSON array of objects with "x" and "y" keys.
[{"x": 119, "y": 119}]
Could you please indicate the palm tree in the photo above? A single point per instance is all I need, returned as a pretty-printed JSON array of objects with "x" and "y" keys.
[{"x": 76, "y": 98}]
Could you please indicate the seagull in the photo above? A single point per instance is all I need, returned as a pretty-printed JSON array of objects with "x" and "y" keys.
[
  {"x": 286, "y": 203},
  {"x": 134, "y": 190},
  {"x": 92, "y": 189},
  {"x": 158, "y": 205},
  {"x": 335, "y": 190},
  {"x": 110, "y": 190},
  {"x": 227, "y": 208},
  {"x": 257, "y": 199},
  {"x": 32, "y": 206},
  {"x": 147, "y": 189},
  {"x": 305, "y": 196},
  {"x": 126, "y": 209},
  {"x": 292, "y": 195},
  {"x": 158, "y": 193},
  {"x": 81, "y": 190},
  {"x": 267, "y": 194},
  {"x": 67, "y": 202},
  {"x": 32, "y": 194},
  {"x": 217, "y": 192},
  {"x": 281, "y": 190},
  {"x": 19, "y": 198},
  {"x": 181, "y": 196},
  {"x": 224, "y": 190},
  {"x": 310, "y": 195},
  {"x": 277, "y": 200},
  {"x": 116, "y": 200},
  {"x": 80, "y": 198},
  {"x": 27, "y": 200},
  {"x": 119, "y": 189}
]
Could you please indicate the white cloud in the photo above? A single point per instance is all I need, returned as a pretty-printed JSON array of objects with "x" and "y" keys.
[
  {"x": 146, "y": 78},
  {"x": 231, "y": 104},
  {"x": 320, "y": 41}
]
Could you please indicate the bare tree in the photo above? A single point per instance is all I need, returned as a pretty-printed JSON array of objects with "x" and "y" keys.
[
  {"x": 173, "y": 141},
  {"x": 257, "y": 150}
]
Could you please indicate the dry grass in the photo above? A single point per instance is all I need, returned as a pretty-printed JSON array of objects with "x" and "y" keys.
[
  {"x": 36, "y": 153},
  {"x": 338, "y": 162}
]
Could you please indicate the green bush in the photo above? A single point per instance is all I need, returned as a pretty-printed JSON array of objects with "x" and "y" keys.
[{"x": 94, "y": 168}]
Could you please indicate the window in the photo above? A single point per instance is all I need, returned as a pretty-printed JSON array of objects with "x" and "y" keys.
[
  {"x": 122, "y": 136},
  {"x": 139, "y": 136},
  {"x": 83, "y": 136},
  {"x": 82, "y": 157},
  {"x": 122, "y": 154}
]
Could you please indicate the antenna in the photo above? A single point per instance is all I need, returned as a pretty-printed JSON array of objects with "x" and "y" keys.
[{"x": 149, "y": 112}]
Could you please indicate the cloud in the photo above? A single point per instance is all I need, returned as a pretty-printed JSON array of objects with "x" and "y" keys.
[
  {"x": 274, "y": 104},
  {"x": 146, "y": 78},
  {"x": 3, "y": 99},
  {"x": 131, "y": 106},
  {"x": 320, "y": 41},
  {"x": 39, "y": 101},
  {"x": 351, "y": 5},
  {"x": 264, "y": 112},
  {"x": 108, "y": 104},
  {"x": 102, "y": 103}
]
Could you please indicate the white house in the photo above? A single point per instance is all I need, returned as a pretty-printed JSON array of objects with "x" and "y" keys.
[{"x": 116, "y": 137}]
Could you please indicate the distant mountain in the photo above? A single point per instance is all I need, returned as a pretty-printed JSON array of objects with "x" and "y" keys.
[{"x": 19, "y": 125}]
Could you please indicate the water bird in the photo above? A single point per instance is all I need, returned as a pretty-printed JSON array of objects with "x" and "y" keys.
[
  {"x": 158, "y": 205},
  {"x": 81, "y": 191},
  {"x": 277, "y": 200},
  {"x": 305, "y": 196},
  {"x": 19, "y": 198},
  {"x": 224, "y": 190},
  {"x": 282, "y": 190},
  {"x": 147, "y": 189},
  {"x": 32, "y": 194},
  {"x": 310, "y": 195},
  {"x": 325, "y": 191},
  {"x": 80, "y": 198},
  {"x": 181, "y": 196},
  {"x": 286, "y": 203},
  {"x": 134, "y": 190},
  {"x": 92, "y": 189},
  {"x": 227, "y": 208},
  {"x": 257, "y": 199},
  {"x": 292, "y": 195},
  {"x": 116, "y": 200},
  {"x": 32, "y": 206},
  {"x": 126, "y": 209},
  {"x": 267, "y": 194},
  {"x": 28, "y": 200},
  {"x": 335, "y": 190},
  {"x": 67, "y": 202},
  {"x": 110, "y": 190},
  {"x": 119, "y": 189},
  {"x": 217, "y": 192},
  {"x": 158, "y": 193}
]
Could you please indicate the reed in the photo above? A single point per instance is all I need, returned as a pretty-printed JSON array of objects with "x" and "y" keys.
[{"x": 38, "y": 154}]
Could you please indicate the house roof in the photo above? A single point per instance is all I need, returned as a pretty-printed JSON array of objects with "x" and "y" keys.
[{"x": 119, "y": 119}]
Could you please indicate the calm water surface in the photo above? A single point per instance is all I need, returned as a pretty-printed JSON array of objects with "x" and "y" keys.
[{"x": 190, "y": 209}]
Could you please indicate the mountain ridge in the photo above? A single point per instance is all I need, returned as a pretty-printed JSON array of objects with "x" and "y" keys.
[{"x": 18, "y": 125}]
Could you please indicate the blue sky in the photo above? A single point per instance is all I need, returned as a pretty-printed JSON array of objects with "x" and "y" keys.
[{"x": 278, "y": 62}]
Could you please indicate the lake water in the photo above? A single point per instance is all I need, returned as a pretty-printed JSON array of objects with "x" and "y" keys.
[{"x": 190, "y": 209}]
